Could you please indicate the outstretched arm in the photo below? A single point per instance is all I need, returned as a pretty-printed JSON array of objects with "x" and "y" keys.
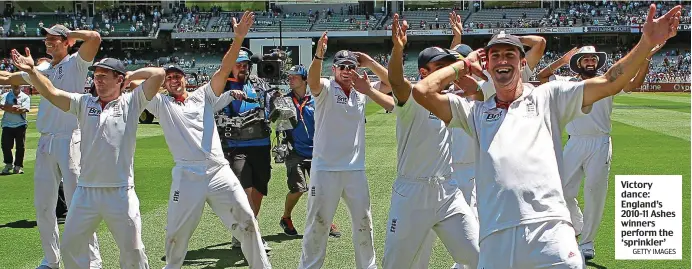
[
  {"x": 315, "y": 71},
  {"x": 218, "y": 80},
  {"x": 401, "y": 88},
  {"x": 619, "y": 75},
  {"x": 57, "y": 97},
  {"x": 544, "y": 75},
  {"x": 7, "y": 78}
]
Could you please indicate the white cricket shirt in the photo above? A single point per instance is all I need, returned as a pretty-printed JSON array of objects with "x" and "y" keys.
[
  {"x": 109, "y": 135},
  {"x": 520, "y": 155},
  {"x": 68, "y": 75},
  {"x": 597, "y": 122},
  {"x": 489, "y": 88},
  {"x": 189, "y": 127},
  {"x": 339, "y": 143},
  {"x": 423, "y": 142}
]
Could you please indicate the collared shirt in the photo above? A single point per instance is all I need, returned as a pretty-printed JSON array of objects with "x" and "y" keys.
[
  {"x": 239, "y": 106},
  {"x": 520, "y": 153},
  {"x": 12, "y": 120},
  {"x": 339, "y": 128},
  {"x": 109, "y": 135},
  {"x": 304, "y": 133},
  {"x": 69, "y": 75},
  {"x": 423, "y": 142},
  {"x": 189, "y": 126}
]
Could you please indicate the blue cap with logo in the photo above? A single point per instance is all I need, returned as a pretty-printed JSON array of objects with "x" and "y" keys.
[{"x": 243, "y": 55}]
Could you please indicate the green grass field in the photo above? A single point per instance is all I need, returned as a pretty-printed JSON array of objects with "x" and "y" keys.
[{"x": 651, "y": 136}]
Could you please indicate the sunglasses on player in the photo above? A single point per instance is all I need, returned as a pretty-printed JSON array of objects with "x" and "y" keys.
[{"x": 345, "y": 66}]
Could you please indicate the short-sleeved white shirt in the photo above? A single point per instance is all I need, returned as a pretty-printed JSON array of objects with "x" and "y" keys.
[
  {"x": 597, "y": 122},
  {"x": 339, "y": 143},
  {"x": 423, "y": 142},
  {"x": 69, "y": 75},
  {"x": 520, "y": 153},
  {"x": 109, "y": 136},
  {"x": 189, "y": 127}
]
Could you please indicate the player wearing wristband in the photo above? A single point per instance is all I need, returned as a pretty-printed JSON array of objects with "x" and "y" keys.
[{"x": 523, "y": 215}]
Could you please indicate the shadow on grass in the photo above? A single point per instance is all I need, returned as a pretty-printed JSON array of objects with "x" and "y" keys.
[
  {"x": 280, "y": 237},
  {"x": 216, "y": 256},
  {"x": 597, "y": 266},
  {"x": 21, "y": 224}
]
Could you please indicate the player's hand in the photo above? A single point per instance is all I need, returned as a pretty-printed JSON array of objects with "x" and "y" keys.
[
  {"x": 360, "y": 82},
  {"x": 657, "y": 31},
  {"x": 399, "y": 37},
  {"x": 243, "y": 27},
  {"x": 238, "y": 94},
  {"x": 322, "y": 45},
  {"x": 565, "y": 58},
  {"x": 364, "y": 60},
  {"x": 456, "y": 24},
  {"x": 23, "y": 62},
  {"x": 476, "y": 59}
]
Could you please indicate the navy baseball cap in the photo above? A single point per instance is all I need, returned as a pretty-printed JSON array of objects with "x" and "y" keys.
[
  {"x": 346, "y": 57},
  {"x": 463, "y": 49},
  {"x": 174, "y": 68},
  {"x": 503, "y": 38},
  {"x": 298, "y": 70},
  {"x": 110, "y": 63},
  {"x": 434, "y": 54},
  {"x": 57, "y": 29}
]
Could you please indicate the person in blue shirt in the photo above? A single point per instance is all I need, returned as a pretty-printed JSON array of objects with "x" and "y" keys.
[
  {"x": 248, "y": 148},
  {"x": 16, "y": 104},
  {"x": 300, "y": 138}
]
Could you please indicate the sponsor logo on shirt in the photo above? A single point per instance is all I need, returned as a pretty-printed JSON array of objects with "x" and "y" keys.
[
  {"x": 341, "y": 99},
  {"x": 93, "y": 111},
  {"x": 433, "y": 117},
  {"x": 493, "y": 115}
]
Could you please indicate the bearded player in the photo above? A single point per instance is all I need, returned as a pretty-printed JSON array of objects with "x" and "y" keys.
[
  {"x": 523, "y": 215},
  {"x": 589, "y": 148}
]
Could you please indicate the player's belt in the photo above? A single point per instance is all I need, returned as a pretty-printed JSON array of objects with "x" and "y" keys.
[{"x": 588, "y": 135}]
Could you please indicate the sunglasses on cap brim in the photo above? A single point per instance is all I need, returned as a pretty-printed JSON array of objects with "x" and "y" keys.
[{"x": 345, "y": 66}]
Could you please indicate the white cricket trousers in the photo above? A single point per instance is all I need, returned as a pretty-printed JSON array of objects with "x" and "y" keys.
[
  {"x": 119, "y": 208},
  {"x": 216, "y": 184},
  {"x": 325, "y": 190},
  {"x": 58, "y": 158},
  {"x": 589, "y": 157},
  {"x": 419, "y": 205},
  {"x": 464, "y": 174},
  {"x": 548, "y": 244}
]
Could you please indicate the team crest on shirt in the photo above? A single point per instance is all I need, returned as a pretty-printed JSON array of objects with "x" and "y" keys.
[
  {"x": 117, "y": 112},
  {"x": 531, "y": 110},
  {"x": 93, "y": 111},
  {"x": 60, "y": 74}
]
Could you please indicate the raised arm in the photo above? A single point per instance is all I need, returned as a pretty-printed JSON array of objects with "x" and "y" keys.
[
  {"x": 153, "y": 79},
  {"x": 218, "y": 80},
  {"x": 7, "y": 78},
  {"x": 544, "y": 75},
  {"x": 401, "y": 87},
  {"x": 537, "y": 45},
  {"x": 91, "y": 45},
  {"x": 654, "y": 32},
  {"x": 638, "y": 80},
  {"x": 57, "y": 97},
  {"x": 366, "y": 61},
  {"x": 362, "y": 84},
  {"x": 315, "y": 71},
  {"x": 457, "y": 28}
]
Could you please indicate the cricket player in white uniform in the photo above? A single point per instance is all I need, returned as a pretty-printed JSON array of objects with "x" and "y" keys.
[
  {"x": 338, "y": 162},
  {"x": 589, "y": 149},
  {"x": 425, "y": 196},
  {"x": 201, "y": 172},
  {"x": 105, "y": 189},
  {"x": 58, "y": 154},
  {"x": 524, "y": 220}
]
